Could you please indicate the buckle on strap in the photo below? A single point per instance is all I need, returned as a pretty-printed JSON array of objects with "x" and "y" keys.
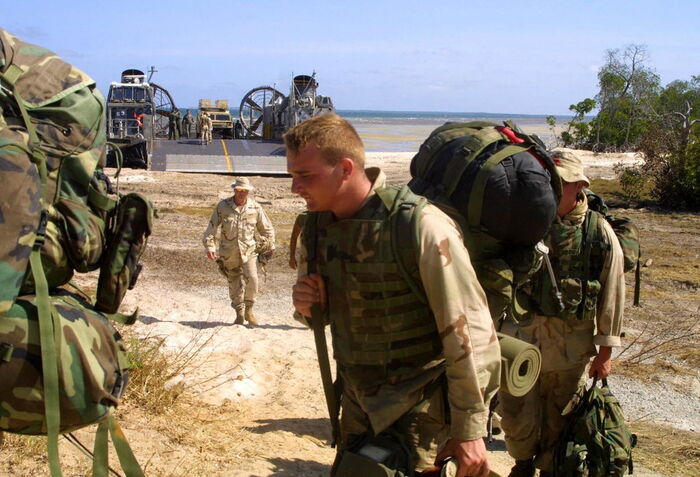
[{"x": 41, "y": 230}]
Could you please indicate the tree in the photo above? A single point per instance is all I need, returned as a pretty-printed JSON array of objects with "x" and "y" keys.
[
  {"x": 578, "y": 130},
  {"x": 671, "y": 145},
  {"x": 627, "y": 85}
]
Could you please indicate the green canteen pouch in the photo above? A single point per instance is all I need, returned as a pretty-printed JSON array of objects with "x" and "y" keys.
[{"x": 126, "y": 241}]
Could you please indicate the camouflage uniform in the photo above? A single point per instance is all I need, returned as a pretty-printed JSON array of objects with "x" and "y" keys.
[
  {"x": 532, "y": 423},
  {"x": 205, "y": 125},
  {"x": 240, "y": 227},
  {"x": 447, "y": 396},
  {"x": 172, "y": 126},
  {"x": 178, "y": 124},
  {"x": 187, "y": 123}
]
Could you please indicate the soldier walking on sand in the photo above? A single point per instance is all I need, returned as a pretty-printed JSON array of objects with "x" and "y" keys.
[
  {"x": 588, "y": 264},
  {"x": 417, "y": 377},
  {"x": 205, "y": 125},
  {"x": 244, "y": 231}
]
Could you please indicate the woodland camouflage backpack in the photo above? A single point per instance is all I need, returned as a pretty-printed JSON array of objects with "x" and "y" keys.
[
  {"x": 502, "y": 187},
  {"x": 62, "y": 364},
  {"x": 627, "y": 234},
  {"x": 596, "y": 441}
]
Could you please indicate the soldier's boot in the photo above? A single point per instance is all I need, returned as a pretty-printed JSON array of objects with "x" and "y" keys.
[
  {"x": 249, "y": 316},
  {"x": 239, "y": 314},
  {"x": 544, "y": 473},
  {"x": 523, "y": 468}
]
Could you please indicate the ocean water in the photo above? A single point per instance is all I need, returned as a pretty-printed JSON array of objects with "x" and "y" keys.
[{"x": 405, "y": 131}]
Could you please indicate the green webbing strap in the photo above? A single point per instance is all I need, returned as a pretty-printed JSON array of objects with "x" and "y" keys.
[
  {"x": 126, "y": 457},
  {"x": 637, "y": 283},
  {"x": 48, "y": 331},
  {"x": 70, "y": 437},
  {"x": 404, "y": 217},
  {"x": 439, "y": 138},
  {"x": 476, "y": 197},
  {"x": 454, "y": 172},
  {"x": 373, "y": 357},
  {"x": 100, "y": 464},
  {"x": 310, "y": 237},
  {"x": 589, "y": 234},
  {"x": 123, "y": 318},
  {"x": 100, "y": 454}
]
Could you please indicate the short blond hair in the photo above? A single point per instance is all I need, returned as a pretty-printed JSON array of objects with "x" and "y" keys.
[{"x": 334, "y": 136}]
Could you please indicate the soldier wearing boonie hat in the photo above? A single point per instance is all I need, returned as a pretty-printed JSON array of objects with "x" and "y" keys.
[
  {"x": 245, "y": 231},
  {"x": 591, "y": 285},
  {"x": 242, "y": 183},
  {"x": 569, "y": 166}
]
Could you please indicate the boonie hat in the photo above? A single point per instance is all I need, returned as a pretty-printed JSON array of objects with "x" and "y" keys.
[
  {"x": 569, "y": 166},
  {"x": 242, "y": 183}
]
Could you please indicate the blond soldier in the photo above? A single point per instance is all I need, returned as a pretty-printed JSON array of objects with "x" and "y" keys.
[
  {"x": 592, "y": 286},
  {"x": 244, "y": 227},
  {"x": 206, "y": 125},
  {"x": 400, "y": 360}
]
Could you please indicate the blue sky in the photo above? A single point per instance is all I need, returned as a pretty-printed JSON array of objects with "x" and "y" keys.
[{"x": 531, "y": 57}]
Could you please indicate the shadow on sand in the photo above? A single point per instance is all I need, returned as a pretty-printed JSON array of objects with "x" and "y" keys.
[
  {"x": 299, "y": 467},
  {"x": 318, "y": 428},
  {"x": 204, "y": 325}
]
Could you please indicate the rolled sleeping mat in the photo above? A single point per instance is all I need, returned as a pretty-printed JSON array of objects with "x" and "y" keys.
[{"x": 521, "y": 363}]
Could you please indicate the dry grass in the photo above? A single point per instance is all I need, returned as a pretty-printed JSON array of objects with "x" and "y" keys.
[
  {"x": 199, "y": 436},
  {"x": 666, "y": 450}
]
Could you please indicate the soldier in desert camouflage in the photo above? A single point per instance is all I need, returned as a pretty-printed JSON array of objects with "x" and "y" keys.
[
  {"x": 592, "y": 288},
  {"x": 424, "y": 372},
  {"x": 205, "y": 125},
  {"x": 245, "y": 231}
]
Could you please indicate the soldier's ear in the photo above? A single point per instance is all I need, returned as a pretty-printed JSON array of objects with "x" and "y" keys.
[{"x": 347, "y": 166}]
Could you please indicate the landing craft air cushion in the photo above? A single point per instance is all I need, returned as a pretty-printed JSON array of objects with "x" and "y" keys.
[{"x": 138, "y": 111}]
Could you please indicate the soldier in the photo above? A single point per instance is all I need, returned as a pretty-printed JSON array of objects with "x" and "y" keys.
[
  {"x": 178, "y": 123},
  {"x": 172, "y": 127},
  {"x": 439, "y": 353},
  {"x": 188, "y": 122},
  {"x": 244, "y": 225},
  {"x": 205, "y": 125},
  {"x": 294, "y": 238},
  {"x": 588, "y": 265}
]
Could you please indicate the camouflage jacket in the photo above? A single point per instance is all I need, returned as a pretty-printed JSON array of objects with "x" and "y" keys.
[
  {"x": 235, "y": 230},
  {"x": 470, "y": 357},
  {"x": 611, "y": 298},
  {"x": 572, "y": 342}
]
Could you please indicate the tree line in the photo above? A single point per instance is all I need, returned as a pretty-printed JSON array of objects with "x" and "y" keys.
[{"x": 637, "y": 113}]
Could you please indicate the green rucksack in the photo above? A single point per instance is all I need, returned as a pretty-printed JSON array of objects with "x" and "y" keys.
[
  {"x": 627, "y": 234},
  {"x": 596, "y": 442},
  {"x": 503, "y": 188},
  {"x": 62, "y": 364}
]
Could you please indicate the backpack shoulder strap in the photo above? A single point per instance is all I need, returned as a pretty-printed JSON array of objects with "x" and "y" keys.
[
  {"x": 309, "y": 238},
  {"x": 405, "y": 209}
]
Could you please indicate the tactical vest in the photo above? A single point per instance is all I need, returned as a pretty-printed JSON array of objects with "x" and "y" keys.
[
  {"x": 376, "y": 318},
  {"x": 577, "y": 253}
]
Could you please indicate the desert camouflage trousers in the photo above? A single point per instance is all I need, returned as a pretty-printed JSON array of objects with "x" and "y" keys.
[
  {"x": 242, "y": 279},
  {"x": 206, "y": 135},
  {"x": 532, "y": 423},
  {"x": 424, "y": 428}
]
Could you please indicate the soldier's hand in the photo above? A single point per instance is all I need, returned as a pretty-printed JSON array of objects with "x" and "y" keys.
[
  {"x": 293, "y": 262},
  {"x": 601, "y": 367},
  {"x": 471, "y": 456},
  {"x": 211, "y": 255},
  {"x": 307, "y": 291}
]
